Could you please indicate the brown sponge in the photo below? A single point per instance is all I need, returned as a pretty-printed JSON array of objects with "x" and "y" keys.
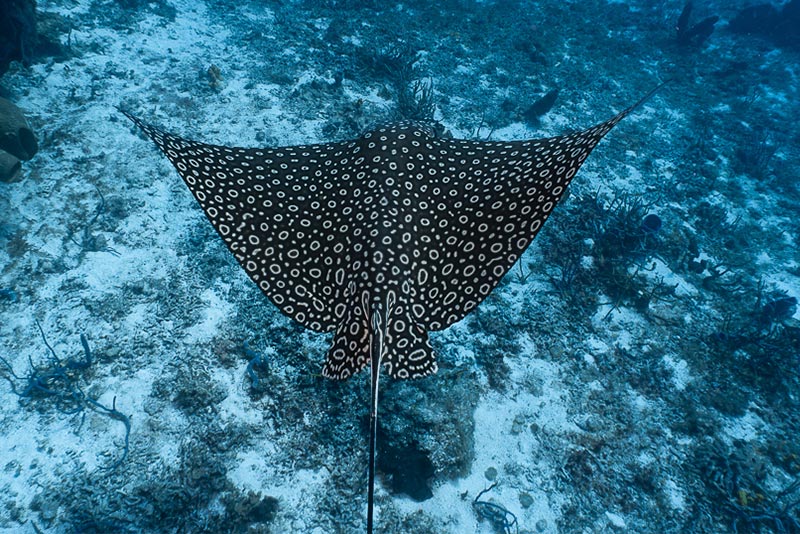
[
  {"x": 9, "y": 167},
  {"x": 16, "y": 137}
]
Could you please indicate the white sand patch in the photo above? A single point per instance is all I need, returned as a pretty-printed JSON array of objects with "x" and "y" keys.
[
  {"x": 746, "y": 428},
  {"x": 681, "y": 376},
  {"x": 676, "y": 496},
  {"x": 214, "y": 313},
  {"x": 659, "y": 272}
]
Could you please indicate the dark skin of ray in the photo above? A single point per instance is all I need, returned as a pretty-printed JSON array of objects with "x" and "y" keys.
[{"x": 403, "y": 232}]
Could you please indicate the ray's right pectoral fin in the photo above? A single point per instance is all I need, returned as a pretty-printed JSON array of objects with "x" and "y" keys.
[{"x": 408, "y": 351}]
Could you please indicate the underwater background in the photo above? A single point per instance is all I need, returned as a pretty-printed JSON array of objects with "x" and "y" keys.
[{"x": 637, "y": 371}]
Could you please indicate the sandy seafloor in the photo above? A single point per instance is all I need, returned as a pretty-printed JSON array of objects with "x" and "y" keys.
[{"x": 604, "y": 386}]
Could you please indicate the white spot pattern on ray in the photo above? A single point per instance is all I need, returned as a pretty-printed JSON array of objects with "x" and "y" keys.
[{"x": 419, "y": 227}]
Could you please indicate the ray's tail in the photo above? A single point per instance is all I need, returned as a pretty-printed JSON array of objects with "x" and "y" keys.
[
  {"x": 377, "y": 349},
  {"x": 373, "y": 430}
]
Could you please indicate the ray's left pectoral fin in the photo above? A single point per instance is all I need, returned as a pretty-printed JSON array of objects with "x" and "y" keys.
[
  {"x": 592, "y": 136},
  {"x": 408, "y": 350},
  {"x": 165, "y": 141}
]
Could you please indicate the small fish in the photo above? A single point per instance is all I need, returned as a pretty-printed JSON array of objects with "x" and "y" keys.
[{"x": 383, "y": 238}]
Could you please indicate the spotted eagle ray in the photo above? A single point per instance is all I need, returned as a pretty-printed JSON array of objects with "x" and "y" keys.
[{"x": 383, "y": 238}]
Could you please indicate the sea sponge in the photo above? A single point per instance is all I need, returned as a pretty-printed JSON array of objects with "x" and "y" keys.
[
  {"x": 9, "y": 167},
  {"x": 16, "y": 137}
]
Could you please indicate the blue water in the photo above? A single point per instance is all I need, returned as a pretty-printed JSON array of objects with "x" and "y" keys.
[{"x": 637, "y": 370}]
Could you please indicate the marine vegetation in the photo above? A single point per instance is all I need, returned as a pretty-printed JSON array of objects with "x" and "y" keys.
[
  {"x": 754, "y": 154},
  {"x": 609, "y": 240},
  {"x": 736, "y": 488},
  {"x": 502, "y": 520},
  {"x": 396, "y": 63},
  {"x": 415, "y": 101},
  {"x": 59, "y": 384}
]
